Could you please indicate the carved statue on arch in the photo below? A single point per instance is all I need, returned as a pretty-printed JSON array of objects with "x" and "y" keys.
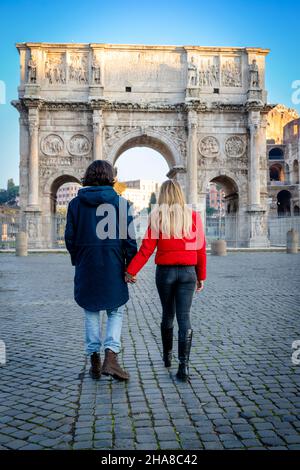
[
  {"x": 192, "y": 73},
  {"x": 253, "y": 75},
  {"x": 96, "y": 72},
  {"x": 31, "y": 66}
]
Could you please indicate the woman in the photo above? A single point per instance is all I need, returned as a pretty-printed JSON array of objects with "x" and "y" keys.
[
  {"x": 177, "y": 232},
  {"x": 100, "y": 257}
]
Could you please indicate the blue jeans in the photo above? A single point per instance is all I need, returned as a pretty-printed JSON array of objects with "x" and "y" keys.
[{"x": 113, "y": 330}]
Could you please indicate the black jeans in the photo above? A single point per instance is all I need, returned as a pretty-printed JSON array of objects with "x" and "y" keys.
[{"x": 176, "y": 285}]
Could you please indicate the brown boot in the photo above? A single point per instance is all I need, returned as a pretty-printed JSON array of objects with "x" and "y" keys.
[
  {"x": 95, "y": 370},
  {"x": 112, "y": 367}
]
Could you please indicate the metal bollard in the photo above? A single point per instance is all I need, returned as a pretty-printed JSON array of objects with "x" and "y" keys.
[
  {"x": 21, "y": 244},
  {"x": 219, "y": 248},
  {"x": 292, "y": 239}
]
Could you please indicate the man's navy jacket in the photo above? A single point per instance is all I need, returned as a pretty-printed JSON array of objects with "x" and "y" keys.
[{"x": 100, "y": 238}]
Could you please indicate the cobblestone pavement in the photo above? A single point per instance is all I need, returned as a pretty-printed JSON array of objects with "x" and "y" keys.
[{"x": 244, "y": 390}]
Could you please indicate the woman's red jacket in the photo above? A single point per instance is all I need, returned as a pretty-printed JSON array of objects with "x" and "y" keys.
[{"x": 172, "y": 251}]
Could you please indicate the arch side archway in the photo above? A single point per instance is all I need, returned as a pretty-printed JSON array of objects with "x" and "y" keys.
[{"x": 53, "y": 222}]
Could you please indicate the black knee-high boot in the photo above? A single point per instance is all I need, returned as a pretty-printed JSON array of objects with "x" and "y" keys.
[
  {"x": 167, "y": 342},
  {"x": 184, "y": 348}
]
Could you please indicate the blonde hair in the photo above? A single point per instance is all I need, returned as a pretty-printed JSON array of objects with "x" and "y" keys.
[{"x": 171, "y": 216}]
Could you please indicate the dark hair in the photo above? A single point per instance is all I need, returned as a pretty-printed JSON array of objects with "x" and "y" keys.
[{"x": 99, "y": 173}]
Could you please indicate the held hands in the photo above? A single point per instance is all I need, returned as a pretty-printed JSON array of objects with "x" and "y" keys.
[
  {"x": 129, "y": 278},
  {"x": 199, "y": 286}
]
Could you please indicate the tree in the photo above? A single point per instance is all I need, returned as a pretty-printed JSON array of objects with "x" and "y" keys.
[
  {"x": 152, "y": 201},
  {"x": 3, "y": 196},
  {"x": 12, "y": 190},
  {"x": 8, "y": 195}
]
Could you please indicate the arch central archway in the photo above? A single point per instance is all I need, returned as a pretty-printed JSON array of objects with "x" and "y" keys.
[
  {"x": 154, "y": 140},
  {"x": 140, "y": 172}
]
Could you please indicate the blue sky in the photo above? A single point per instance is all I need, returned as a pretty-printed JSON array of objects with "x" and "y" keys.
[{"x": 266, "y": 24}]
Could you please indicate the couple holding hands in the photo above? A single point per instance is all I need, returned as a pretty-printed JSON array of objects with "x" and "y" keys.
[{"x": 103, "y": 249}]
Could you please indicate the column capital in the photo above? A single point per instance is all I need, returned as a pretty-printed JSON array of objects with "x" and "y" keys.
[
  {"x": 33, "y": 124},
  {"x": 97, "y": 119},
  {"x": 254, "y": 120},
  {"x": 192, "y": 119}
]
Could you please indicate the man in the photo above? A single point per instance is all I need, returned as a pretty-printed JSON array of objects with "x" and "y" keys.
[{"x": 100, "y": 238}]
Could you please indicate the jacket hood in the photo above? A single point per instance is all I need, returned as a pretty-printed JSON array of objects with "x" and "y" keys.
[{"x": 95, "y": 195}]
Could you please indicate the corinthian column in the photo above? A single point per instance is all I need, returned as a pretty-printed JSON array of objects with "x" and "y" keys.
[
  {"x": 33, "y": 167},
  {"x": 254, "y": 169},
  {"x": 192, "y": 186},
  {"x": 257, "y": 212},
  {"x": 98, "y": 134}
]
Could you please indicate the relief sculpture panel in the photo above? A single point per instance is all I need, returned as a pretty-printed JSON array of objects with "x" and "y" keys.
[
  {"x": 209, "y": 147},
  {"x": 79, "y": 144},
  {"x": 235, "y": 146},
  {"x": 78, "y": 68},
  {"x": 231, "y": 72},
  {"x": 209, "y": 72},
  {"x": 52, "y": 144},
  {"x": 55, "y": 69}
]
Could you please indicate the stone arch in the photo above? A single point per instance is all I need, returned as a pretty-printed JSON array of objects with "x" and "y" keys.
[
  {"x": 276, "y": 172},
  {"x": 231, "y": 191},
  {"x": 54, "y": 223},
  {"x": 227, "y": 222},
  {"x": 54, "y": 183},
  {"x": 227, "y": 178},
  {"x": 295, "y": 172},
  {"x": 60, "y": 177},
  {"x": 152, "y": 139},
  {"x": 284, "y": 203}
]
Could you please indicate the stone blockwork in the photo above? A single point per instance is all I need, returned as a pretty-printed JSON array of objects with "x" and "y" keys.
[
  {"x": 283, "y": 149},
  {"x": 244, "y": 390},
  {"x": 203, "y": 108}
]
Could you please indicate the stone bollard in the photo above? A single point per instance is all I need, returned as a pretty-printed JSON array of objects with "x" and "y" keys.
[
  {"x": 292, "y": 238},
  {"x": 219, "y": 248},
  {"x": 21, "y": 244}
]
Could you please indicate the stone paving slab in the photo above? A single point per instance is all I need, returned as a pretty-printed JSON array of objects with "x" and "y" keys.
[{"x": 244, "y": 390}]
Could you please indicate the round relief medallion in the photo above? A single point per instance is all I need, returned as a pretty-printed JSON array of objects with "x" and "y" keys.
[
  {"x": 79, "y": 144},
  {"x": 209, "y": 146},
  {"x": 52, "y": 145},
  {"x": 235, "y": 146}
]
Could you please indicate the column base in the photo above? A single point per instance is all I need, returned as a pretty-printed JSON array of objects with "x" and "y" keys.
[
  {"x": 254, "y": 95},
  {"x": 31, "y": 224},
  {"x": 258, "y": 242},
  {"x": 192, "y": 92},
  {"x": 32, "y": 90},
  {"x": 32, "y": 208},
  {"x": 95, "y": 91},
  {"x": 258, "y": 229}
]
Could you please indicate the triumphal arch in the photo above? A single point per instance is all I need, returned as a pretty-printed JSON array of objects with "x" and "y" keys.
[{"x": 203, "y": 108}]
